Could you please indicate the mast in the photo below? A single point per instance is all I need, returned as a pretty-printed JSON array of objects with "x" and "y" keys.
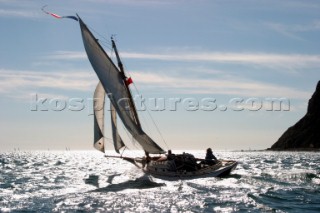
[{"x": 120, "y": 65}]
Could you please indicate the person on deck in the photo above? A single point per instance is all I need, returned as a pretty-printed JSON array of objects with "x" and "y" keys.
[
  {"x": 170, "y": 156},
  {"x": 147, "y": 157},
  {"x": 210, "y": 158}
]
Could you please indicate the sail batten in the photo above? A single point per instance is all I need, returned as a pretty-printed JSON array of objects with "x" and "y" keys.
[{"x": 113, "y": 83}]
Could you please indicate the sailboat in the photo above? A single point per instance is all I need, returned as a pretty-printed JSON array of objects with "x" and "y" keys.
[{"x": 115, "y": 84}]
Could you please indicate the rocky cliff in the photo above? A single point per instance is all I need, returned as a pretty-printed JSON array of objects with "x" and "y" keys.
[{"x": 305, "y": 134}]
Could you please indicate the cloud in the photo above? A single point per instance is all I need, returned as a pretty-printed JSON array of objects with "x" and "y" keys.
[
  {"x": 29, "y": 95},
  {"x": 272, "y": 60},
  {"x": 18, "y": 13},
  {"x": 263, "y": 59},
  {"x": 138, "y": 2},
  {"x": 222, "y": 86},
  {"x": 69, "y": 80},
  {"x": 19, "y": 84},
  {"x": 293, "y": 31},
  {"x": 67, "y": 55}
]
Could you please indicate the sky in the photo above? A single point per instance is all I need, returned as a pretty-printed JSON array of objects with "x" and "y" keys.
[{"x": 213, "y": 67}]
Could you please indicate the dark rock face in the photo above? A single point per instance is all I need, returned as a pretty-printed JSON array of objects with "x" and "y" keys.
[{"x": 305, "y": 134}]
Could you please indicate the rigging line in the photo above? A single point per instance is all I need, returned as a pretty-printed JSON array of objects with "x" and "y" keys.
[
  {"x": 145, "y": 121},
  {"x": 111, "y": 56},
  {"x": 104, "y": 38},
  {"x": 128, "y": 135},
  {"x": 144, "y": 118},
  {"x": 131, "y": 138},
  {"x": 128, "y": 102},
  {"x": 105, "y": 45},
  {"x": 123, "y": 151},
  {"x": 153, "y": 121}
]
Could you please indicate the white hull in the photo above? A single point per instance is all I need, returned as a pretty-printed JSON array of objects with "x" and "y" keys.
[{"x": 161, "y": 169}]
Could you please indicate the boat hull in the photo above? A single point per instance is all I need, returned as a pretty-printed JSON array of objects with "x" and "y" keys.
[
  {"x": 167, "y": 169},
  {"x": 160, "y": 170}
]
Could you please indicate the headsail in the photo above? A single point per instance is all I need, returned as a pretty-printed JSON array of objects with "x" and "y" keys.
[
  {"x": 99, "y": 103},
  {"x": 114, "y": 84},
  {"x": 117, "y": 141},
  {"x": 98, "y": 109}
]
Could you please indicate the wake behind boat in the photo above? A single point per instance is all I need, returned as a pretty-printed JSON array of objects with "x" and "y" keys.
[{"x": 115, "y": 83}]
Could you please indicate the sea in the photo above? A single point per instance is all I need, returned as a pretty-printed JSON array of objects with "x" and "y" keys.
[{"x": 86, "y": 181}]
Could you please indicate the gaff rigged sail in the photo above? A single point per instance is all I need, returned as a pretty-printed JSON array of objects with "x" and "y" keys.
[{"x": 114, "y": 84}]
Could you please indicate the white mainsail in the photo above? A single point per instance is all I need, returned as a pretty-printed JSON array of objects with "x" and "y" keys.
[{"x": 114, "y": 84}]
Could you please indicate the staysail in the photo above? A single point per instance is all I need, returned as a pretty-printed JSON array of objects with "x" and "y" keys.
[
  {"x": 98, "y": 111},
  {"x": 117, "y": 141},
  {"x": 98, "y": 105},
  {"x": 114, "y": 84}
]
